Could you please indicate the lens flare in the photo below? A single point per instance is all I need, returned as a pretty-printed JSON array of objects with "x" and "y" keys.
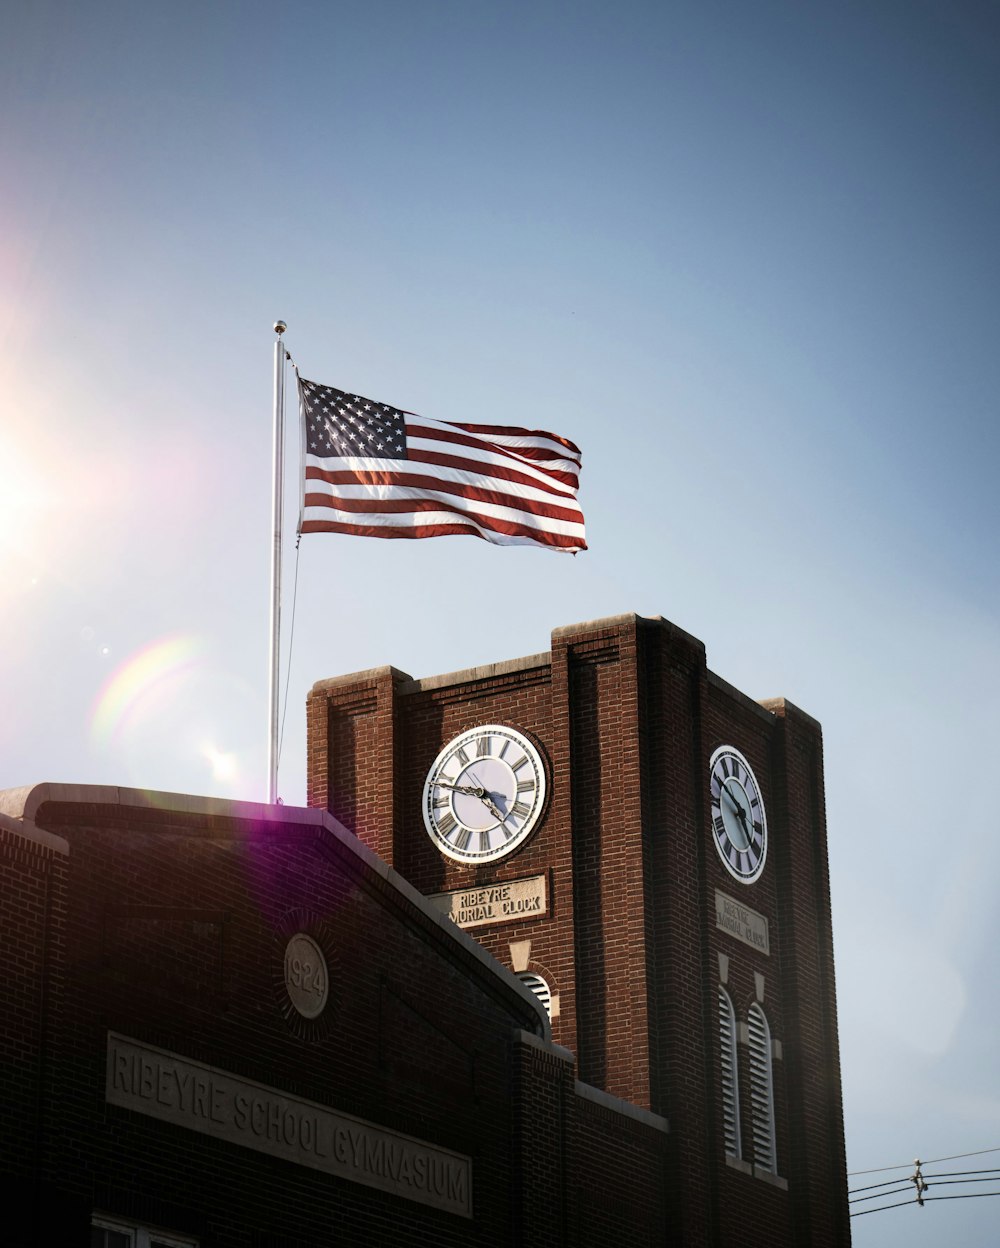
[
  {"x": 136, "y": 688},
  {"x": 225, "y": 767}
]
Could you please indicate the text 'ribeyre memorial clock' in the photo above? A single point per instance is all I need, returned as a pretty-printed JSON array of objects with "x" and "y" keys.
[{"x": 484, "y": 794}]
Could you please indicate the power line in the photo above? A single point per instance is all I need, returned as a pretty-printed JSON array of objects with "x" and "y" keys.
[
  {"x": 965, "y": 1196},
  {"x": 886, "y": 1183},
  {"x": 855, "y": 1200},
  {"x": 959, "y": 1174},
  {"x": 861, "y": 1212},
  {"x": 900, "y": 1186},
  {"x": 950, "y": 1182},
  {"x": 905, "y": 1165},
  {"x": 933, "y": 1161},
  {"x": 947, "y": 1178}
]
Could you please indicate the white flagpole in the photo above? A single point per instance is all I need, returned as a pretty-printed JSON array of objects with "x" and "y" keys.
[{"x": 277, "y": 507}]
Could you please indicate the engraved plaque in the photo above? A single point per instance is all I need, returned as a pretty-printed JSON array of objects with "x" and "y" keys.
[
  {"x": 738, "y": 920},
  {"x": 507, "y": 902},
  {"x": 210, "y": 1101},
  {"x": 306, "y": 977}
]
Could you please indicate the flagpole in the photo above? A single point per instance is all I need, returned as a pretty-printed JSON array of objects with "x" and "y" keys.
[{"x": 277, "y": 509}]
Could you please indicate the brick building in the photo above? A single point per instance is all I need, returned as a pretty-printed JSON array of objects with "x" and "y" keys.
[
  {"x": 645, "y": 846},
  {"x": 232, "y": 1025},
  {"x": 571, "y": 982}
]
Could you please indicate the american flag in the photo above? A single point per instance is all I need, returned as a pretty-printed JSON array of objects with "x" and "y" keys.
[{"x": 377, "y": 471}]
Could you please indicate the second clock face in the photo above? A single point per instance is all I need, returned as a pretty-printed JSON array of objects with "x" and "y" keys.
[
  {"x": 739, "y": 824},
  {"x": 484, "y": 794}
]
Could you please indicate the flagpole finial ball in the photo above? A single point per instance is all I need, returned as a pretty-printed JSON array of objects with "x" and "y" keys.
[{"x": 280, "y": 327}]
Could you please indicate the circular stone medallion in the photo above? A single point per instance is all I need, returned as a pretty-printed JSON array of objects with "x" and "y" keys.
[{"x": 306, "y": 977}]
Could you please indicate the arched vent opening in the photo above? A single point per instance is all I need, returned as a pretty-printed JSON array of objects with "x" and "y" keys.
[
  {"x": 539, "y": 987},
  {"x": 761, "y": 1090},
  {"x": 730, "y": 1075}
]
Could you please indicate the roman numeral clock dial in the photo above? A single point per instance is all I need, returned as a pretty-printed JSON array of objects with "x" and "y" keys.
[
  {"x": 484, "y": 794},
  {"x": 739, "y": 825}
]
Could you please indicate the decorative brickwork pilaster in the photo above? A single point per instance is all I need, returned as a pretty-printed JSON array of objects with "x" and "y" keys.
[
  {"x": 352, "y": 749},
  {"x": 811, "y": 1056}
]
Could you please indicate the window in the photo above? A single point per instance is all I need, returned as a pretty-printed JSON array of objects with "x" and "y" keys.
[
  {"x": 539, "y": 987},
  {"x": 730, "y": 1075},
  {"x": 761, "y": 1090},
  {"x": 113, "y": 1233}
]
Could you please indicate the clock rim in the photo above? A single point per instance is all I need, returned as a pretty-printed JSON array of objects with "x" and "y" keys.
[
  {"x": 522, "y": 836},
  {"x": 755, "y": 875}
]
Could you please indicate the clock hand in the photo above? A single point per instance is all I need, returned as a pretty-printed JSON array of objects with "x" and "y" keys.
[
  {"x": 472, "y": 790},
  {"x": 477, "y": 790},
  {"x": 726, "y": 793},
  {"x": 494, "y": 809},
  {"x": 486, "y": 797},
  {"x": 741, "y": 814}
]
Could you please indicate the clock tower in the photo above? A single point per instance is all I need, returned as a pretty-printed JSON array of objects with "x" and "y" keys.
[{"x": 645, "y": 847}]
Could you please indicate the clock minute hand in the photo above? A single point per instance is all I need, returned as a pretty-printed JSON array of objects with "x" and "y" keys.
[
  {"x": 486, "y": 797},
  {"x": 726, "y": 793},
  {"x": 472, "y": 790}
]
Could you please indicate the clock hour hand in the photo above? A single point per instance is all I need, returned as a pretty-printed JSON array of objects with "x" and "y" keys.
[
  {"x": 741, "y": 814},
  {"x": 486, "y": 797},
  {"x": 492, "y": 807},
  {"x": 473, "y": 790},
  {"x": 476, "y": 790}
]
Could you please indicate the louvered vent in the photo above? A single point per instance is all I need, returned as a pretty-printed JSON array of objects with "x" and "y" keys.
[
  {"x": 539, "y": 987},
  {"x": 761, "y": 1090},
  {"x": 730, "y": 1075}
]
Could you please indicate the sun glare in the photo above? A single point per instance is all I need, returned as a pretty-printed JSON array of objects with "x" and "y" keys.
[
  {"x": 225, "y": 767},
  {"x": 24, "y": 500}
]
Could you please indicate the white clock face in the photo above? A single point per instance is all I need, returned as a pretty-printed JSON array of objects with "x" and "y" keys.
[
  {"x": 739, "y": 825},
  {"x": 484, "y": 794}
]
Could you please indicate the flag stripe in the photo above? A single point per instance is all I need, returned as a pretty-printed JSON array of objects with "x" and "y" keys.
[
  {"x": 436, "y": 467},
  {"x": 445, "y": 528},
  {"x": 421, "y": 501},
  {"x": 351, "y": 487},
  {"x": 538, "y": 452},
  {"x": 512, "y": 434},
  {"x": 499, "y": 462},
  {"x": 376, "y": 471},
  {"x": 381, "y": 478},
  {"x": 421, "y": 515}
]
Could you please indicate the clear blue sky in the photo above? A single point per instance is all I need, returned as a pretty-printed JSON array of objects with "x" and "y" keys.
[{"x": 745, "y": 255}]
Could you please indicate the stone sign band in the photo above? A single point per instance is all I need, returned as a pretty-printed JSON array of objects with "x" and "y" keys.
[
  {"x": 213, "y": 1102},
  {"x": 738, "y": 920},
  {"x": 509, "y": 902}
]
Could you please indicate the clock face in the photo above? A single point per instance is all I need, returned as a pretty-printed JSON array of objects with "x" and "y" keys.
[
  {"x": 484, "y": 794},
  {"x": 739, "y": 825}
]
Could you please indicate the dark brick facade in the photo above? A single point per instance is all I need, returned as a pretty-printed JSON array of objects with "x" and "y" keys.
[
  {"x": 158, "y": 924},
  {"x": 142, "y": 949},
  {"x": 627, "y": 715},
  {"x": 32, "y": 930}
]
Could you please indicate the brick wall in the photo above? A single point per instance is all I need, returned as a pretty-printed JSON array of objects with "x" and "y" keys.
[
  {"x": 166, "y": 920},
  {"x": 175, "y": 929},
  {"x": 32, "y": 903},
  {"x": 627, "y": 715}
]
